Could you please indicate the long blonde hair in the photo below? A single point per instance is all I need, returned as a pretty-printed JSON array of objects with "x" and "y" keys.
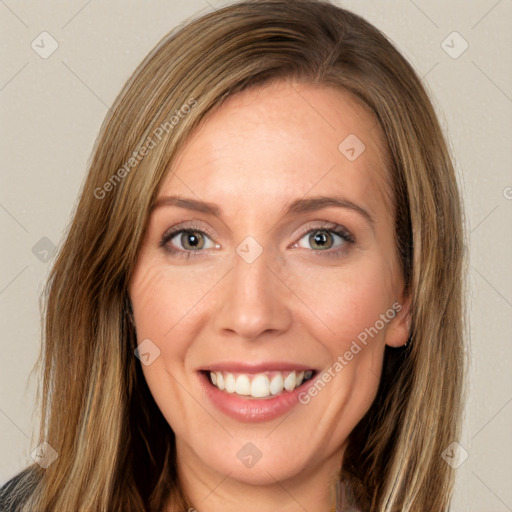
[{"x": 115, "y": 449}]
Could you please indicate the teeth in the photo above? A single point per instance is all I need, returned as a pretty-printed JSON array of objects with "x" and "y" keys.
[
  {"x": 243, "y": 385},
  {"x": 220, "y": 380},
  {"x": 230, "y": 383},
  {"x": 289, "y": 382},
  {"x": 261, "y": 385},
  {"x": 276, "y": 384}
]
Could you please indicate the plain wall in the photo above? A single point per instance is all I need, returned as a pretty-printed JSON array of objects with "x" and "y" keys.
[{"x": 51, "y": 112}]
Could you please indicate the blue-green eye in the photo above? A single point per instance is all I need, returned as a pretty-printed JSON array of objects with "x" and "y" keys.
[{"x": 326, "y": 238}]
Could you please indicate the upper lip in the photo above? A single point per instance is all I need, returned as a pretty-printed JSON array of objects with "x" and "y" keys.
[{"x": 246, "y": 367}]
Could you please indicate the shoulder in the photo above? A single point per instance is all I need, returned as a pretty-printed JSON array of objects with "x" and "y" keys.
[{"x": 14, "y": 493}]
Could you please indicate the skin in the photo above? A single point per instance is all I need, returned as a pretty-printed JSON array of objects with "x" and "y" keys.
[{"x": 260, "y": 151}]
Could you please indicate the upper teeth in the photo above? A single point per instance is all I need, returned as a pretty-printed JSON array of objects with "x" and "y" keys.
[{"x": 260, "y": 385}]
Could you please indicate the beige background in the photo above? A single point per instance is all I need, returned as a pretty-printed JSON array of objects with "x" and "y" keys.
[{"x": 51, "y": 112}]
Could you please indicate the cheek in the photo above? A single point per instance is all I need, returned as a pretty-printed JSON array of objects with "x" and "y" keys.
[
  {"x": 165, "y": 303},
  {"x": 348, "y": 304},
  {"x": 163, "y": 307},
  {"x": 346, "y": 301}
]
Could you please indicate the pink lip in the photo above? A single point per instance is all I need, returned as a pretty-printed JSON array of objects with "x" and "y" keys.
[
  {"x": 253, "y": 410},
  {"x": 238, "y": 367}
]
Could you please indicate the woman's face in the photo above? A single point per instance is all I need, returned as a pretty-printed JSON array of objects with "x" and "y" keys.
[{"x": 287, "y": 271}]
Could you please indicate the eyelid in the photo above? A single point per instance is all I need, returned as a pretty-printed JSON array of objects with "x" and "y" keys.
[
  {"x": 328, "y": 226},
  {"x": 170, "y": 233},
  {"x": 181, "y": 227},
  {"x": 185, "y": 226}
]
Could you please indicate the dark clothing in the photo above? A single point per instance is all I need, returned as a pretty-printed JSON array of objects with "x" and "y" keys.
[{"x": 14, "y": 493}]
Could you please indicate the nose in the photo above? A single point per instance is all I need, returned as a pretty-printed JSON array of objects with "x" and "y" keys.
[{"x": 254, "y": 300}]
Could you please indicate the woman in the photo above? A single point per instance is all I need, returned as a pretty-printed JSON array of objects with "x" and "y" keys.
[{"x": 203, "y": 349}]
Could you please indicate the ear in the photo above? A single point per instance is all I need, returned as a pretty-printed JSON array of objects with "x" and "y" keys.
[{"x": 398, "y": 331}]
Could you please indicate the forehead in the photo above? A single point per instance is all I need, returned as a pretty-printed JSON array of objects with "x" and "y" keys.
[{"x": 275, "y": 143}]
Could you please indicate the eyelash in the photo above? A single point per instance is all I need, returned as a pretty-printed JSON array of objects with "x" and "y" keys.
[
  {"x": 329, "y": 227},
  {"x": 172, "y": 232}
]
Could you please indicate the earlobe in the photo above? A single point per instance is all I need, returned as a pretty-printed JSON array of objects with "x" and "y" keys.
[{"x": 398, "y": 331}]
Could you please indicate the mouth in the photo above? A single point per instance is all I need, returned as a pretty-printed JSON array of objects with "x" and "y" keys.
[
  {"x": 262, "y": 385},
  {"x": 255, "y": 392}
]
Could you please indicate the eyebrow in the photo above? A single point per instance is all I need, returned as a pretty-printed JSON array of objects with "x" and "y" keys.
[{"x": 302, "y": 205}]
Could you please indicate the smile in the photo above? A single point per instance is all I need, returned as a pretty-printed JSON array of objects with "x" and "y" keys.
[
  {"x": 255, "y": 392},
  {"x": 260, "y": 385}
]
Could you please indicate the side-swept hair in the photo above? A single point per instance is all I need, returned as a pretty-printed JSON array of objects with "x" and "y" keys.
[{"x": 116, "y": 451}]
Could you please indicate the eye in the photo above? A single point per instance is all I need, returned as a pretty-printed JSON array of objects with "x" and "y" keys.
[
  {"x": 330, "y": 239},
  {"x": 326, "y": 238},
  {"x": 186, "y": 241}
]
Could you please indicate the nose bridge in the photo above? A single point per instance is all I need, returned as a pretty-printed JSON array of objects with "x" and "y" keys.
[
  {"x": 253, "y": 277},
  {"x": 252, "y": 300}
]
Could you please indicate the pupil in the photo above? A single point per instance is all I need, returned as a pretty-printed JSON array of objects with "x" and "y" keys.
[
  {"x": 320, "y": 238},
  {"x": 192, "y": 239}
]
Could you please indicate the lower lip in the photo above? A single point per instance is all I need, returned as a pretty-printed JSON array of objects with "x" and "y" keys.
[{"x": 252, "y": 410}]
